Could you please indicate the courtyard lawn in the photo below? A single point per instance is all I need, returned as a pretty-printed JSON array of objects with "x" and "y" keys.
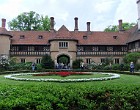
[
  {"x": 124, "y": 79},
  {"x": 118, "y": 94}
]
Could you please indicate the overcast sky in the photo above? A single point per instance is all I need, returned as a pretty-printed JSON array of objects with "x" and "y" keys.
[{"x": 101, "y": 13}]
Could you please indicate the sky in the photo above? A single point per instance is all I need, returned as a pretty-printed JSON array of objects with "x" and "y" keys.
[{"x": 101, "y": 13}]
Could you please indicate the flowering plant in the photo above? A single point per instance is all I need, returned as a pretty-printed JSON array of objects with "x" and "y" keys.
[
  {"x": 61, "y": 73},
  {"x": 14, "y": 77}
]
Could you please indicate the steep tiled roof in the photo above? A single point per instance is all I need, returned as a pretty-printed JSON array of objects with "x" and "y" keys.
[
  {"x": 134, "y": 34},
  {"x": 93, "y": 38},
  {"x": 3, "y": 31},
  {"x": 102, "y": 38},
  {"x": 30, "y": 37}
]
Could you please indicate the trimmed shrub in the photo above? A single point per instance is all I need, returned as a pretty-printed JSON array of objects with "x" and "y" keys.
[
  {"x": 76, "y": 63},
  {"x": 47, "y": 62}
]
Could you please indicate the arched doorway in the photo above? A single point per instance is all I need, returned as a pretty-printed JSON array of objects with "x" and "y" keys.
[{"x": 63, "y": 61}]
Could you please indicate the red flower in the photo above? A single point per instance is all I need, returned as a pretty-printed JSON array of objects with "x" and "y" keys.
[{"x": 63, "y": 73}]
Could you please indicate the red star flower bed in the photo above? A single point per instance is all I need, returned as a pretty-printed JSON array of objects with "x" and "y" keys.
[{"x": 62, "y": 73}]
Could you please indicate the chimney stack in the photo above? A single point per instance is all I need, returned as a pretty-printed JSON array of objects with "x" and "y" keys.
[
  {"x": 88, "y": 26},
  {"x": 52, "y": 23},
  {"x": 76, "y": 24},
  {"x": 120, "y": 25},
  {"x": 3, "y": 22}
]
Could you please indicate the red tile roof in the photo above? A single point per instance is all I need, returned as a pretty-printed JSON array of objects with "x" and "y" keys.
[
  {"x": 3, "y": 31},
  {"x": 93, "y": 38},
  {"x": 102, "y": 38},
  {"x": 134, "y": 34}
]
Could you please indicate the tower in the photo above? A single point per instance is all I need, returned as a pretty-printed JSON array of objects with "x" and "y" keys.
[
  {"x": 138, "y": 5},
  {"x": 4, "y": 40}
]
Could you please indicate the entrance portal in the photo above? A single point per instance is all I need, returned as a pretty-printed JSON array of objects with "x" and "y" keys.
[{"x": 63, "y": 61}]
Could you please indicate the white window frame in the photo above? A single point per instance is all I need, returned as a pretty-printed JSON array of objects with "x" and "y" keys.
[
  {"x": 22, "y": 59},
  {"x": 38, "y": 60},
  {"x": 63, "y": 44}
]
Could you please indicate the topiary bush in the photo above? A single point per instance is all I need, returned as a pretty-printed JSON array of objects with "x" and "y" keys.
[
  {"x": 47, "y": 62},
  {"x": 76, "y": 63}
]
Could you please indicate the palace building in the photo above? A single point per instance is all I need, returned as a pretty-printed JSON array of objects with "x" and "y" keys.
[{"x": 30, "y": 46}]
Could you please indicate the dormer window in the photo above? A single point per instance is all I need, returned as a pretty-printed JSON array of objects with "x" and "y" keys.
[
  {"x": 40, "y": 37},
  {"x": 85, "y": 37},
  {"x": 22, "y": 37},
  {"x": 115, "y": 37}
]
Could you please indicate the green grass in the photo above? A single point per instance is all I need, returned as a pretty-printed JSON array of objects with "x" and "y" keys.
[
  {"x": 124, "y": 93},
  {"x": 123, "y": 80}
]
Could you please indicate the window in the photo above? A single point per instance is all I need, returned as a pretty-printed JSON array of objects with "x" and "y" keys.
[
  {"x": 103, "y": 60},
  {"x": 46, "y": 48},
  {"x": 38, "y": 48},
  {"x": 116, "y": 60},
  {"x": 110, "y": 48},
  {"x": 124, "y": 49},
  {"x": 115, "y": 37},
  {"x": 40, "y": 37},
  {"x": 85, "y": 37},
  {"x": 102, "y": 48},
  {"x": 80, "y": 49},
  {"x": 38, "y": 60},
  {"x": 22, "y": 48},
  {"x": 137, "y": 45},
  {"x": 63, "y": 44},
  {"x": 13, "y": 48},
  {"x": 95, "y": 48},
  {"x": 88, "y": 60},
  {"x": 30, "y": 48},
  {"x": 22, "y": 60},
  {"x": 22, "y": 36}
]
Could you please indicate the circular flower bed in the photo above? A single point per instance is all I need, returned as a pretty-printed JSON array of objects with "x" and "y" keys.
[
  {"x": 63, "y": 73},
  {"x": 14, "y": 77}
]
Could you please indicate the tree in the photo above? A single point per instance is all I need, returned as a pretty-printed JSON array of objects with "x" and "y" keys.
[
  {"x": 76, "y": 63},
  {"x": 63, "y": 59},
  {"x": 115, "y": 28},
  {"x": 4, "y": 62},
  {"x": 131, "y": 57},
  {"x": 28, "y": 21},
  {"x": 47, "y": 62}
]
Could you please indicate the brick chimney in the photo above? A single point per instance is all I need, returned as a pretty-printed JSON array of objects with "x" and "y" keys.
[
  {"x": 88, "y": 26},
  {"x": 52, "y": 23},
  {"x": 76, "y": 24},
  {"x": 120, "y": 25},
  {"x": 3, "y": 22}
]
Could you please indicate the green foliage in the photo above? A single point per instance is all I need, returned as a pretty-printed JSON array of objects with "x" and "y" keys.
[
  {"x": 108, "y": 60},
  {"x": 76, "y": 63},
  {"x": 45, "y": 23},
  {"x": 131, "y": 57},
  {"x": 4, "y": 62},
  {"x": 137, "y": 67},
  {"x": 21, "y": 66},
  {"x": 69, "y": 97},
  {"x": 13, "y": 61},
  {"x": 29, "y": 21},
  {"x": 92, "y": 65},
  {"x": 119, "y": 94},
  {"x": 63, "y": 60},
  {"x": 115, "y": 28},
  {"x": 47, "y": 62},
  {"x": 111, "y": 28}
]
